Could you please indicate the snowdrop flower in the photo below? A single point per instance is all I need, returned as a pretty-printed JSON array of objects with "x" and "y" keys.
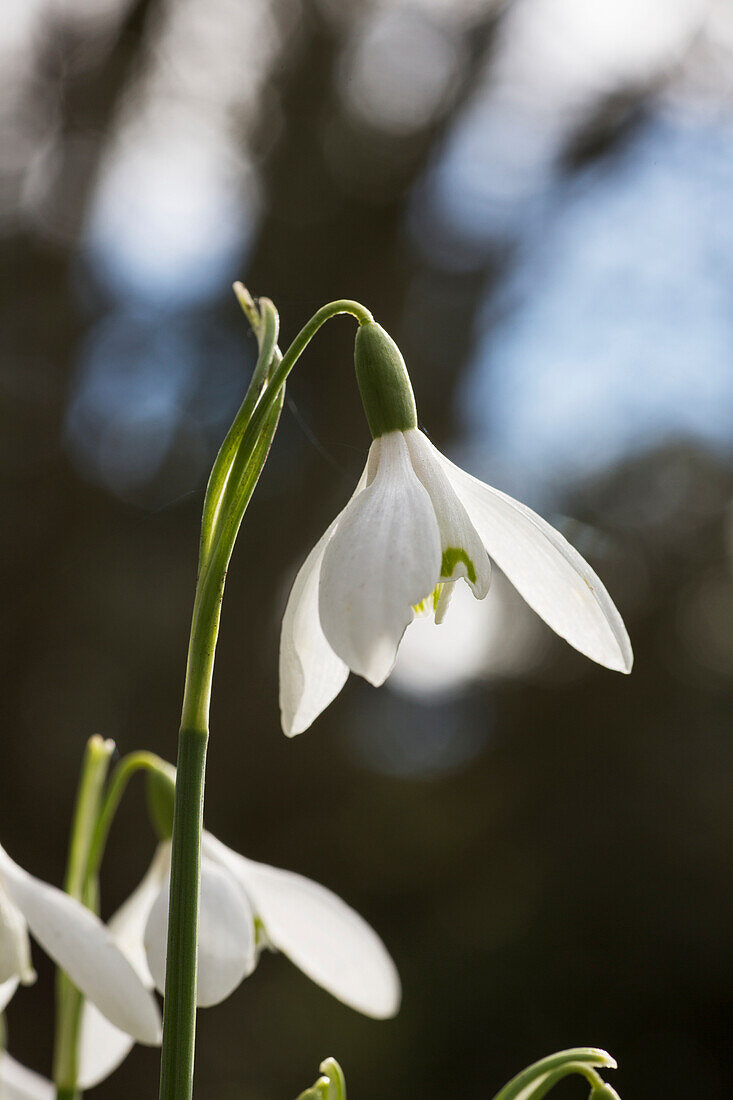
[
  {"x": 78, "y": 942},
  {"x": 416, "y": 525},
  {"x": 245, "y": 907}
]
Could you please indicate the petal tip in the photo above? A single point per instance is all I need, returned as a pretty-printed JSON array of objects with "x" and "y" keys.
[{"x": 292, "y": 725}]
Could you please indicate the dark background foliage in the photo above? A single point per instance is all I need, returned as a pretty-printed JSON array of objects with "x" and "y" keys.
[{"x": 536, "y": 201}]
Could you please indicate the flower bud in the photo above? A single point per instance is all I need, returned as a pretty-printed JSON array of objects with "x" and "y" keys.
[{"x": 386, "y": 391}]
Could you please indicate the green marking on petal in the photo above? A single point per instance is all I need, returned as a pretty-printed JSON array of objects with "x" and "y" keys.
[{"x": 451, "y": 557}]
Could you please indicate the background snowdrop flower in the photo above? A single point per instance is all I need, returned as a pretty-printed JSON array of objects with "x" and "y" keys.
[
  {"x": 245, "y": 907},
  {"x": 78, "y": 942},
  {"x": 415, "y": 525}
]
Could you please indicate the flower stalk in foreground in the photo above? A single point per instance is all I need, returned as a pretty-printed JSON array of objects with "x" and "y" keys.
[
  {"x": 415, "y": 525},
  {"x": 231, "y": 484}
]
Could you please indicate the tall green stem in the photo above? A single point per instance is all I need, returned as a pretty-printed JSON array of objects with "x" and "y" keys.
[
  {"x": 82, "y": 886},
  {"x": 233, "y": 480}
]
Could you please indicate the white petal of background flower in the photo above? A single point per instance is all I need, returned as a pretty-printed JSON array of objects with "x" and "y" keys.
[
  {"x": 456, "y": 529},
  {"x": 19, "y": 1083},
  {"x": 319, "y": 932},
  {"x": 102, "y": 1046},
  {"x": 546, "y": 570},
  {"x": 7, "y": 989},
  {"x": 383, "y": 559},
  {"x": 226, "y": 935},
  {"x": 15, "y": 951},
  {"x": 85, "y": 949}
]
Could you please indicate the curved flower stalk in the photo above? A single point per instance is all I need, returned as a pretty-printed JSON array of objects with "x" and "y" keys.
[
  {"x": 331, "y": 1085},
  {"x": 416, "y": 525},
  {"x": 78, "y": 942},
  {"x": 534, "y": 1082},
  {"x": 245, "y": 907}
]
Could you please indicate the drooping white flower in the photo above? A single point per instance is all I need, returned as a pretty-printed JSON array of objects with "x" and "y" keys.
[
  {"x": 415, "y": 525},
  {"x": 245, "y": 907},
  {"x": 78, "y": 942}
]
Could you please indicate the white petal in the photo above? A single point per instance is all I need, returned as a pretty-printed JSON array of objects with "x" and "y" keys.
[
  {"x": 102, "y": 1046},
  {"x": 546, "y": 570},
  {"x": 82, "y": 946},
  {"x": 383, "y": 559},
  {"x": 15, "y": 950},
  {"x": 226, "y": 935},
  {"x": 464, "y": 554},
  {"x": 19, "y": 1083},
  {"x": 7, "y": 990},
  {"x": 318, "y": 932},
  {"x": 443, "y": 602},
  {"x": 129, "y": 922},
  {"x": 311, "y": 675}
]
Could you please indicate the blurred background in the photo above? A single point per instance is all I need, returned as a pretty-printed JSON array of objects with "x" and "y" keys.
[{"x": 536, "y": 200}]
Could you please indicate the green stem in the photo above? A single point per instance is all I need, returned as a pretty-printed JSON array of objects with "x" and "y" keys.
[
  {"x": 79, "y": 885},
  {"x": 179, "y": 1022},
  {"x": 229, "y": 493}
]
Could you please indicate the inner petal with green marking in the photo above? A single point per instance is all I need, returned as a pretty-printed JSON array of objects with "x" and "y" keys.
[
  {"x": 437, "y": 601},
  {"x": 453, "y": 556}
]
